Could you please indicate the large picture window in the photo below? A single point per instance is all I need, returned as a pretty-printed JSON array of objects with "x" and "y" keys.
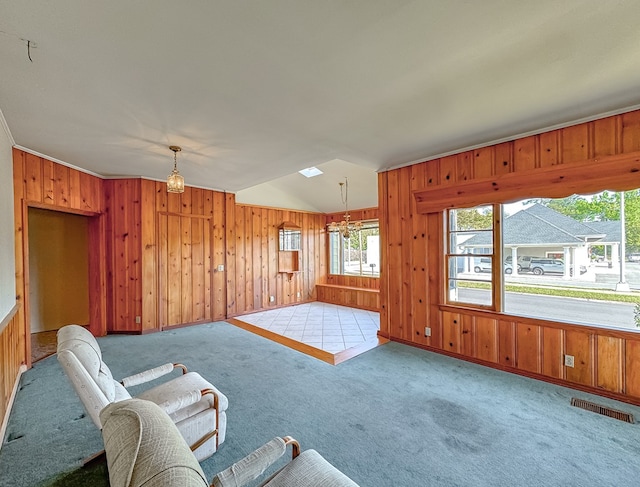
[
  {"x": 358, "y": 255},
  {"x": 574, "y": 259}
]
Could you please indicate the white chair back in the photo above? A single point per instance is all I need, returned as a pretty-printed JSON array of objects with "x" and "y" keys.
[{"x": 81, "y": 358}]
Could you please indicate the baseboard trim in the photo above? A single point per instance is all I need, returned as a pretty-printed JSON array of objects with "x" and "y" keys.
[
  {"x": 5, "y": 420},
  {"x": 531, "y": 375}
]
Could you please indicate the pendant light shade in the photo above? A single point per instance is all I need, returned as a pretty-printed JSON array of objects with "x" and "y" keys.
[{"x": 175, "y": 182}]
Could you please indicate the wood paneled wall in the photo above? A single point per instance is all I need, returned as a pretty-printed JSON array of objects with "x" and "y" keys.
[
  {"x": 361, "y": 282},
  {"x": 191, "y": 243},
  {"x": 197, "y": 256},
  {"x": 41, "y": 183},
  {"x": 252, "y": 258},
  {"x": 164, "y": 249},
  {"x": 12, "y": 357},
  {"x": 122, "y": 200},
  {"x": 412, "y": 286},
  {"x": 354, "y": 297}
]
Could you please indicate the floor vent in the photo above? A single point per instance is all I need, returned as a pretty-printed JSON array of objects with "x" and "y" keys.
[{"x": 597, "y": 408}]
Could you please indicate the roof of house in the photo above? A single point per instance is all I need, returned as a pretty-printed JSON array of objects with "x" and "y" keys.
[
  {"x": 611, "y": 229},
  {"x": 541, "y": 225}
]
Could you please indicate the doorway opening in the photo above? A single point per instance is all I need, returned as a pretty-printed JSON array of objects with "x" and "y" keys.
[{"x": 58, "y": 276}]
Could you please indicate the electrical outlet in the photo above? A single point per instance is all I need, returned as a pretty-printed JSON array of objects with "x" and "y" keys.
[
  {"x": 272, "y": 299},
  {"x": 138, "y": 320},
  {"x": 220, "y": 267},
  {"x": 298, "y": 294},
  {"x": 568, "y": 360},
  {"x": 427, "y": 331}
]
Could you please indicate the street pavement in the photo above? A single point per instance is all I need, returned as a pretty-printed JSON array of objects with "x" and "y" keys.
[{"x": 608, "y": 314}]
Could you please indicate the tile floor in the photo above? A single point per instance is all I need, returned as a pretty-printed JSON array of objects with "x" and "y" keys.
[{"x": 329, "y": 327}]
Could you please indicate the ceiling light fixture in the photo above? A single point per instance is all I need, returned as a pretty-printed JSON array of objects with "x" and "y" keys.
[
  {"x": 175, "y": 182},
  {"x": 345, "y": 227}
]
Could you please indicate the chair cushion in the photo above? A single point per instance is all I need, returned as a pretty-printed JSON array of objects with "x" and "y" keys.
[
  {"x": 180, "y": 386},
  {"x": 311, "y": 470},
  {"x": 144, "y": 447},
  {"x": 83, "y": 345},
  {"x": 195, "y": 420}
]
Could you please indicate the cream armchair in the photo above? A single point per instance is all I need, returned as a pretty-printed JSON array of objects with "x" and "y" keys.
[
  {"x": 144, "y": 448},
  {"x": 196, "y": 407}
]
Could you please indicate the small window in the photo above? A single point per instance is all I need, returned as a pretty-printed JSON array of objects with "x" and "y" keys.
[
  {"x": 470, "y": 256},
  {"x": 358, "y": 255}
]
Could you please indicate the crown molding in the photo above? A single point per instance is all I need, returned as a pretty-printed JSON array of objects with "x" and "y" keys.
[
  {"x": 57, "y": 161},
  {"x": 3, "y": 122}
]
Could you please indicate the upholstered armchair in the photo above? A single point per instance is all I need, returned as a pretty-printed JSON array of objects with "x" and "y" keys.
[
  {"x": 195, "y": 406},
  {"x": 144, "y": 448},
  {"x": 306, "y": 469}
]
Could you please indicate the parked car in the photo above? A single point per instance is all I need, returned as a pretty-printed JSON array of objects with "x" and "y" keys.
[
  {"x": 551, "y": 266},
  {"x": 524, "y": 262},
  {"x": 635, "y": 257},
  {"x": 483, "y": 265}
]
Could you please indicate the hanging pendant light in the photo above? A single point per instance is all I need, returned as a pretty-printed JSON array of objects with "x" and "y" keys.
[
  {"x": 345, "y": 227},
  {"x": 175, "y": 182}
]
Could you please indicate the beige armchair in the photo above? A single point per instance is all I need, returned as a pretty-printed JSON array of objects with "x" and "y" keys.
[
  {"x": 144, "y": 448},
  {"x": 196, "y": 407}
]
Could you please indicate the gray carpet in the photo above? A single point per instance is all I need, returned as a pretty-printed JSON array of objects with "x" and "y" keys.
[{"x": 395, "y": 415}]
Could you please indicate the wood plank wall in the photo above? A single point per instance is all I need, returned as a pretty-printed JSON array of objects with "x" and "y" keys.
[
  {"x": 252, "y": 259},
  {"x": 195, "y": 257},
  {"x": 12, "y": 357},
  {"x": 122, "y": 206},
  {"x": 164, "y": 250},
  {"x": 191, "y": 244},
  {"x": 41, "y": 183},
  {"x": 353, "y": 297},
  {"x": 413, "y": 285}
]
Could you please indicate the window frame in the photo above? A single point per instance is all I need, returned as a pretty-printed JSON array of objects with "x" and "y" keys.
[
  {"x": 372, "y": 223},
  {"x": 499, "y": 281},
  {"x": 497, "y": 266}
]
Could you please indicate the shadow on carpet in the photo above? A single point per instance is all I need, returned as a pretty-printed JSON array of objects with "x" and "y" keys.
[{"x": 94, "y": 474}]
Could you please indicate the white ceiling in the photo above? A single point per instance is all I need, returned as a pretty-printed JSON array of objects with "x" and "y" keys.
[{"x": 253, "y": 91}]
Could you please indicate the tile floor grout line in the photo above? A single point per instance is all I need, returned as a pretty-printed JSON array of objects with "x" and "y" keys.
[{"x": 330, "y": 327}]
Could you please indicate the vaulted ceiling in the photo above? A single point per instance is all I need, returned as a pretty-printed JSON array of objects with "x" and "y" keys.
[{"x": 254, "y": 91}]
